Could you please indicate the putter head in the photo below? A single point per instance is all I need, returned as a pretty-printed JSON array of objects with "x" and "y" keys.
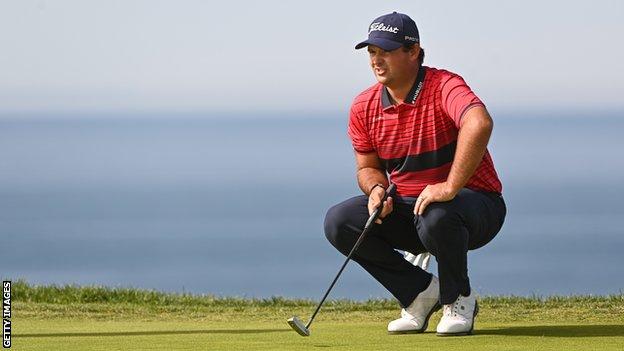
[{"x": 298, "y": 326}]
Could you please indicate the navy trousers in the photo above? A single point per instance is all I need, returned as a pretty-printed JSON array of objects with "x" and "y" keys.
[{"x": 446, "y": 229}]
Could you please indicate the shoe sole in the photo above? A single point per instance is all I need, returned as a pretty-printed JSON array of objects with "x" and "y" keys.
[
  {"x": 469, "y": 332},
  {"x": 435, "y": 308}
]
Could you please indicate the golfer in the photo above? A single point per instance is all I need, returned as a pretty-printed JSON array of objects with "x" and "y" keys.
[{"x": 426, "y": 131}]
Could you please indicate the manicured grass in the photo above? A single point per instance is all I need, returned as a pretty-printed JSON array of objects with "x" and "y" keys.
[{"x": 97, "y": 318}]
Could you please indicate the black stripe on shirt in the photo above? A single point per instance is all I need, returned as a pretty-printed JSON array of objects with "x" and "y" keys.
[{"x": 424, "y": 161}]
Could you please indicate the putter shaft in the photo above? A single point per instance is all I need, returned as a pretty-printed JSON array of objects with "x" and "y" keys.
[{"x": 373, "y": 217}]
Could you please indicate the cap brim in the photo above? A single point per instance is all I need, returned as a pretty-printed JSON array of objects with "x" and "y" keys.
[{"x": 385, "y": 44}]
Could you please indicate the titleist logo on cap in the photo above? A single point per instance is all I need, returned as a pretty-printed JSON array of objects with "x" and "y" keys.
[{"x": 380, "y": 26}]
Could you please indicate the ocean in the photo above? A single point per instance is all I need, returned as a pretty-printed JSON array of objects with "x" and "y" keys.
[{"x": 234, "y": 205}]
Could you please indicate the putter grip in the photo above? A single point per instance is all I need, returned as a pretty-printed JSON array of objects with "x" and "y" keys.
[{"x": 378, "y": 210}]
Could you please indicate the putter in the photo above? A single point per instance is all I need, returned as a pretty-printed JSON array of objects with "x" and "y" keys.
[{"x": 294, "y": 321}]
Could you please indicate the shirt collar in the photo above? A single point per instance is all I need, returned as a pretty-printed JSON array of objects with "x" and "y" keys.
[{"x": 386, "y": 100}]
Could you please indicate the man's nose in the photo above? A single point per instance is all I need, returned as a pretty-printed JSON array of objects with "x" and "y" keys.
[{"x": 375, "y": 59}]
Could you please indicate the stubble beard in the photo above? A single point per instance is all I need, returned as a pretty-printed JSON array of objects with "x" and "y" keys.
[{"x": 383, "y": 79}]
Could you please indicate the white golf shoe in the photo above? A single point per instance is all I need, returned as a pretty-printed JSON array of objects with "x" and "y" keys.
[
  {"x": 458, "y": 318},
  {"x": 415, "y": 318}
]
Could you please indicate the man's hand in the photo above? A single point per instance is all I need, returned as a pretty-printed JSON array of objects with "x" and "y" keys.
[
  {"x": 440, "y": 192},
  {"x": 374, "y": 199}
]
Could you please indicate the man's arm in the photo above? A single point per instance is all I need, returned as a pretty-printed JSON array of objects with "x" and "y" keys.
[
  {"x": 369, "y": 173},
  {"x": 474, "y": 134}
]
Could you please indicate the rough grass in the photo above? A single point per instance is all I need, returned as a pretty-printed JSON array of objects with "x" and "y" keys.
[{"x": 101, "y": 318}]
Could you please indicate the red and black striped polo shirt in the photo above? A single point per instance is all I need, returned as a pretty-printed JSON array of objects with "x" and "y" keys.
[{"x": 416, "y": 140}]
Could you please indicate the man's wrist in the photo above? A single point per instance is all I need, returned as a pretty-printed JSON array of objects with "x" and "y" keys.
[
  {"x": 378, "y": 185},
  {"x": 452, "y": 189}
]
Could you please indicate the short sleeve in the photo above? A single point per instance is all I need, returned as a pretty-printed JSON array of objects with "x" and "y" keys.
[
  {"x": 358, "y": 133},
  {"x": 457, "y": 98}
]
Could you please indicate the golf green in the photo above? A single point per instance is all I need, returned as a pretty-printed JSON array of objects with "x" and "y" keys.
[
  {"x": 92, "y": 318},
  {"x": 241, "y": 334}
]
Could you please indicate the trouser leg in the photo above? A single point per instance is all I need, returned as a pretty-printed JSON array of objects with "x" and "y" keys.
[
  {"x": 449, "y": 229},
  {"x": 344, "y": 223}
]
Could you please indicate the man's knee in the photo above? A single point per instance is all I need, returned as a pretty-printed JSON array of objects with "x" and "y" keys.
[
  {"x": 332, "y": 225},
  {"x": 336, "y": 223},
  {"x": 438, "y": 221}
]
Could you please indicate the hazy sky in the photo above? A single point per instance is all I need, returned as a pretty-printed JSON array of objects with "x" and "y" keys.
[{"x": 234, "y": 56}]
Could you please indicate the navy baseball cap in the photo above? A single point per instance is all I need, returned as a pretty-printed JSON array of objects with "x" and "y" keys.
[{"x": 391, "y": 31}]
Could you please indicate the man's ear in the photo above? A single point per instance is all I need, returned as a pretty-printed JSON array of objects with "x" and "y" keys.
[{"x": 415, "y": 52}]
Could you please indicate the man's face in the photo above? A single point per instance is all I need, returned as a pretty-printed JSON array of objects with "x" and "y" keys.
[{"x": 394, "y": 67}]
